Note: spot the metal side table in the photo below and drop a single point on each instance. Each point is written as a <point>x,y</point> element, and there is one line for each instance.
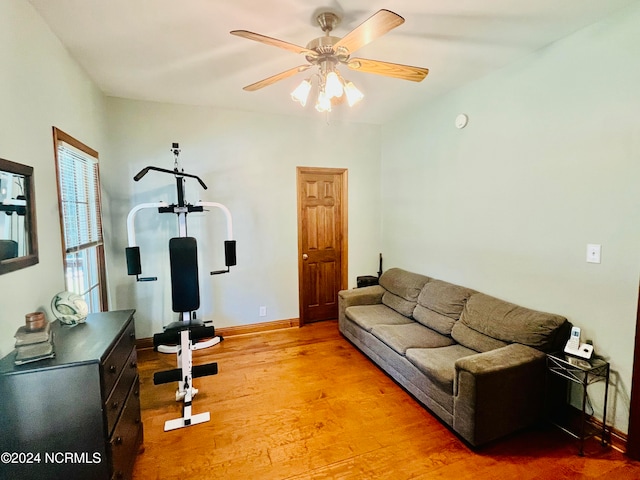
<point>584,373</point>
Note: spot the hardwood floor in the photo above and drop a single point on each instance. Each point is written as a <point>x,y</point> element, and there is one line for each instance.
<point>303,403</point>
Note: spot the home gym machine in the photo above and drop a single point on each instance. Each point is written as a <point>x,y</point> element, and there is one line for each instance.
<point>188,334</point>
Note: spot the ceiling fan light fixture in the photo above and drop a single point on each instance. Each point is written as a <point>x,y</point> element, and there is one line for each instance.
<point>301,92</point>
<point>353,94</point>
<point>328,52</point>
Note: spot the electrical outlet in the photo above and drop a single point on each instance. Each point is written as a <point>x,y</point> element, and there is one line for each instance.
<point>263,311</point>
<point>593,253</point>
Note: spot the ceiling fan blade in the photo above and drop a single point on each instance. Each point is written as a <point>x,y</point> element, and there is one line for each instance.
<point>396,70</point>
<point>375,26</point>
<point>273,42</point>
<point>275,78</point>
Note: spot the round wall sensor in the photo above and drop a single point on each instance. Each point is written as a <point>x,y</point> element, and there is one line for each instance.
<point>461,120</point>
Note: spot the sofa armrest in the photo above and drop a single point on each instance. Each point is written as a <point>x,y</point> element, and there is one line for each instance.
<point>371,295</point>
<point>361,296</point>
<point>498,392</point>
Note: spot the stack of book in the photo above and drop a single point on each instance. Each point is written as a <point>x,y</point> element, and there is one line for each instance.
<point>32,346</point>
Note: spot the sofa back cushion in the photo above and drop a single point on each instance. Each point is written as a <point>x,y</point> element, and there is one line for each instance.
<point>468,337</point>
<point>440,305</point>
<point>506,322</point>
<point>401,289</point>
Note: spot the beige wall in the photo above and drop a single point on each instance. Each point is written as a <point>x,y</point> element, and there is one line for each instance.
<point>40,86</point>
<point>549,162</point>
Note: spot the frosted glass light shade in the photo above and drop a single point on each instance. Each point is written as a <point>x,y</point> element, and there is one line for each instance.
<point>301,93</point>
<point>353,94</point>
<point>324,102</point>
<point>333,85</point>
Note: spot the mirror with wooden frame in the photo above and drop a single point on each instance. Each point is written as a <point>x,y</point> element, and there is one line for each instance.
<point>18,235</point>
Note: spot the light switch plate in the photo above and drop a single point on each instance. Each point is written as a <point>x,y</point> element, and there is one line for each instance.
<point>593,253</point>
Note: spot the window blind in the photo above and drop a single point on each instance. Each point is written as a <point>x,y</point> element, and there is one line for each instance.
<point>80,197</point>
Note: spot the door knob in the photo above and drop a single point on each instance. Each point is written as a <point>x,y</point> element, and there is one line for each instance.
<point>305,256</point>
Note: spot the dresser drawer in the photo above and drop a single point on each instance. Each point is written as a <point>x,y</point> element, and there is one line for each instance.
<point>115,361</point>
<point>114,404</point>
<point>127,435</point>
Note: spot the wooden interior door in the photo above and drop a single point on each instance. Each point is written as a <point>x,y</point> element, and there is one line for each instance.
<point>322,241</point>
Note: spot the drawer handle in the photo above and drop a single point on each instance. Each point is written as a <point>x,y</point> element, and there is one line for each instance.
<point>133,364</point>
<point>113,368</point>
<point>117,441</point>
<point>115,405</point>
<point>119,474</point>
<point>137,419</point>
<point>136,393</point>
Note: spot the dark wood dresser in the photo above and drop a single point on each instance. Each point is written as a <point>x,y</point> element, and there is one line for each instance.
<point>75,416</point>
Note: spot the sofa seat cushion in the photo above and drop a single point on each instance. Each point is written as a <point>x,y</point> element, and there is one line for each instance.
<point>368,316</point>
<point>410,335</point>
<point>511,323</point>
<point>401,289</point>
<point>440,305</point>
<point>439,363</point>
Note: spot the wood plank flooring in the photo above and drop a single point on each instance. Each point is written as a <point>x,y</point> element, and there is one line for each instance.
<point>303,403</point>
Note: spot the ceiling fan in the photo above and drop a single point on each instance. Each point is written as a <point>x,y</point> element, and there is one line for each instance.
<point>328,52</point>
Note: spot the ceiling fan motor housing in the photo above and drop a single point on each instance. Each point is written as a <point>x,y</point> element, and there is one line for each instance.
<point>328,20</point>
<point>324,47</point>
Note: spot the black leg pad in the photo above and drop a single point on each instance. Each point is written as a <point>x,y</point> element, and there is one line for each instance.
<point>167,338</point>
<point>198,333</point>
<point>185,289</point>
<point>175,375</point>
<point>167,376</point>
<point>204,370</point>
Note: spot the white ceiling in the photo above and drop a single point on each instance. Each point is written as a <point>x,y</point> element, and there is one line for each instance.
<point>181,51</point>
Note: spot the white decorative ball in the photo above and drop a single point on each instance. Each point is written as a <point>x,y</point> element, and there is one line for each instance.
<point>70,308</point>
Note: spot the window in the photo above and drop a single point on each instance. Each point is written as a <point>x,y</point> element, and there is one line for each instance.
<point>80,220</point>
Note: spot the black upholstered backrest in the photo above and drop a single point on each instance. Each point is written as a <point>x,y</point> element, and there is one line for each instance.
<point>185,289</point>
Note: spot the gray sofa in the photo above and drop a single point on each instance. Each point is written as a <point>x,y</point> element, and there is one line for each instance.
<point>475,361</point>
